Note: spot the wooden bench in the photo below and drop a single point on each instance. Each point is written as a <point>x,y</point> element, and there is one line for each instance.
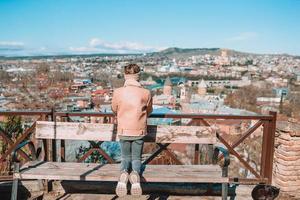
<point>163,135</point>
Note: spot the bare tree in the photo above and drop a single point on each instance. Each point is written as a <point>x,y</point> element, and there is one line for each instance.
<point>43,68</point>
<point>245,97</point>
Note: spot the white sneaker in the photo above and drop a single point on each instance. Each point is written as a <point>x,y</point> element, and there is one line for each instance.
<point>136,189</point>
<point>121,189</point>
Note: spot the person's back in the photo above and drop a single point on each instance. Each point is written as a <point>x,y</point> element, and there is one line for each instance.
<point>132,104</point>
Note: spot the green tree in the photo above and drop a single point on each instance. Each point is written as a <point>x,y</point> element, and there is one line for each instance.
<point>12,127</point>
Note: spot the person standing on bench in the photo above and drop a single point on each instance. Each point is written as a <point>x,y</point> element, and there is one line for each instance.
<point>132,104</point>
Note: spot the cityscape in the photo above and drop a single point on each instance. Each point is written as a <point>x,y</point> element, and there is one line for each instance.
<point>180,80</point>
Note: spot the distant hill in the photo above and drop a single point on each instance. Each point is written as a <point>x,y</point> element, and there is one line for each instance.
<point>175,52</point>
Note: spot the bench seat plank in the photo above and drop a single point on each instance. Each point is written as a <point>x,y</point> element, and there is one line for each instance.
<point>107,132</point>
<point>110,172</point>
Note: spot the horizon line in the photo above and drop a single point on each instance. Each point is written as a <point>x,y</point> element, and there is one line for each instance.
<point>58,54</point>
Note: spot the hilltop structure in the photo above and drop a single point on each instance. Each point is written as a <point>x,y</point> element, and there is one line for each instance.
<point>202,88</point>
<point>167,90</point>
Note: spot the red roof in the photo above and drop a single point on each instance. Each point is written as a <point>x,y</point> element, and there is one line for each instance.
<point>100,92</point>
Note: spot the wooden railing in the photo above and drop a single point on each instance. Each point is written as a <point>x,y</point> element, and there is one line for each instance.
<point>267,122</point>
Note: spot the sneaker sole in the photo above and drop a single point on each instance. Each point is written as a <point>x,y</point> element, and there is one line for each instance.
<point>136,189</point>
<point>121,189</point>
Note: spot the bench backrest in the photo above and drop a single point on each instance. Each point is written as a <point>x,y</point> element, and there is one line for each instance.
<point>107,132</point>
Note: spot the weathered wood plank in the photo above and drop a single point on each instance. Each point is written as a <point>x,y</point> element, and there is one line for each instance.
<point>110,172</point>
<point>106,132</point>
<point>115,173</point>
<point>89,166</point>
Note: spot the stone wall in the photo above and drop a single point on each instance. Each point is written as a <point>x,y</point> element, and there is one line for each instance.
<point>286,168</point>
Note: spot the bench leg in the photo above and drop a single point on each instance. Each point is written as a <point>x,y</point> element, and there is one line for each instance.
<point>14,190</point>
<point>41,185</point>
<point>46,185</point>
<point>224,191</point>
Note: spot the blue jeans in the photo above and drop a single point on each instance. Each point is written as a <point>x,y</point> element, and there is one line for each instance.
<point>131,153</point>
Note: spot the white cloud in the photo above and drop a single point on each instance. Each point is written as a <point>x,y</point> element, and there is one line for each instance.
<point>43,48</point>
<point>243,37</point>
<point>83,49</point>
<point>11,46</point>
<point>99,45</point>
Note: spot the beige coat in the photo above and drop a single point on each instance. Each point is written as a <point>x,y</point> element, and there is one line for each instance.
<point>132,104</point>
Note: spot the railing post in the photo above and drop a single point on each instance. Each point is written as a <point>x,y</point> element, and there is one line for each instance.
<point>62,142</point>
<point>197,146</point>
<point>196,155</point>
<point>265,140</point>
<point>267,154</point>
<point>272,146</point>
<point>52,143</point>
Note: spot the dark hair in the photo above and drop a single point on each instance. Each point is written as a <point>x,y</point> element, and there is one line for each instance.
<point>132,69</point>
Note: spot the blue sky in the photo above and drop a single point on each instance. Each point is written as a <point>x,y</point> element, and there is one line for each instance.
<point>33,27</point>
